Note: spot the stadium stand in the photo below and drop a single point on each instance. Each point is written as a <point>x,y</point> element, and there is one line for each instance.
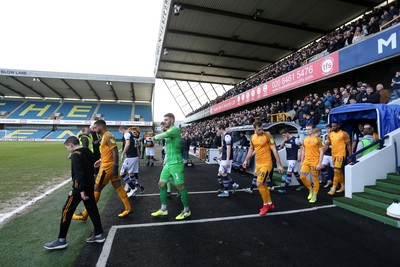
<point>144,111</point>
<point>24,133</point>
<point>76,111</point>
<point>342,37</point>
<point>115,112</point>
<point>62,134</point>
<point>6,107</point>
<point>34,110</point>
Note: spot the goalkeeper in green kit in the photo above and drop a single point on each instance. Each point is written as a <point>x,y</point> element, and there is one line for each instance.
<point>173,169</point>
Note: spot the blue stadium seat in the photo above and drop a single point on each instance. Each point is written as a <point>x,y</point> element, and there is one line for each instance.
<point>241,156</point>
<point>24,133</point>
<point>62,134</point>
<point>77,111</point>
<point>144,111</point>
<point>115,112</point>
<point>9,106</point>
<point>34,110</point>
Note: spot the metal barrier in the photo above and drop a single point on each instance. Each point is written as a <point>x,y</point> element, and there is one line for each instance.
<point>381,27</point>
<point>352,157</point>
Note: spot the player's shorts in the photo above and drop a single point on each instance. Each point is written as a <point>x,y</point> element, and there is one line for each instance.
<point>310,167</point>
<point>222,167</point>
<point>105,174</point>
<point>130,165</point>
<point>292,166</point>
<point>262,172</point>
<point>338,162</point>
<point>327,161</point>
<point>150,151</point>
<point>173,172</point>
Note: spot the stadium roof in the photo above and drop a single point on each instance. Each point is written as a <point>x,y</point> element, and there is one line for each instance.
<point>227,41</point>
<point>75,86</point>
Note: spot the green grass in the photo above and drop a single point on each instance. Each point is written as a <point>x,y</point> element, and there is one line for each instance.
<point>22,239</point>
<point>24,167</point>
<point>27,165</point>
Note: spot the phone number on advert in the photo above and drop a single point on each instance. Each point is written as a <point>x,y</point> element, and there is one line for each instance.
<point>288,78</point>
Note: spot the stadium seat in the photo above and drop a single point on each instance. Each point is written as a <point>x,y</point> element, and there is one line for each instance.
<point>144,111</point>
<point>115,112</point>
<point>34,110</point>
<point>76,111</point>
<point>241,156</point>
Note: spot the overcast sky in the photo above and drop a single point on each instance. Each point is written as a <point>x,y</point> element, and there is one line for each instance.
<point>91,36</point>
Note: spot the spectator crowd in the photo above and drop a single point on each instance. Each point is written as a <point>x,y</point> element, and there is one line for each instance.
<point>346,35</point>
<point>313,108</point>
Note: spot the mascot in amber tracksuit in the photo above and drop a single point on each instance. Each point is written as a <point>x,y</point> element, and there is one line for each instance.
<point>149,146</point>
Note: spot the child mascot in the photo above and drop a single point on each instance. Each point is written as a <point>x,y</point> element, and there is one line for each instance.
<point>149,147</point>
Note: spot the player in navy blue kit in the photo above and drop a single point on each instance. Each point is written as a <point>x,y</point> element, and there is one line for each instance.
<point>292,145</point>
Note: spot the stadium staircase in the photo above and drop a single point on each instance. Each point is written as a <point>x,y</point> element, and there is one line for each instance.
<point>375,199</point>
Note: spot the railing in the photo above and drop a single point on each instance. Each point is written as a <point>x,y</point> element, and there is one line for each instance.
<point>381,27</point>
<point>352,158</point>
<point>315,57</point>
<point>278,117</point>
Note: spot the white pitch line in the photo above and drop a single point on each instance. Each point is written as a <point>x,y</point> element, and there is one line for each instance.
<point>190,193</point>
<point>105,253</point>
<point>7,215</point>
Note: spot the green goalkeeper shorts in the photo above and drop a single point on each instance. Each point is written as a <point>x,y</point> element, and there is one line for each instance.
<point>173,172</point>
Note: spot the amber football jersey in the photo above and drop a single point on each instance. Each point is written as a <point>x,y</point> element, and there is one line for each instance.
<point>107,144</point>
<point>338,142</point>
<point>311,146</point>
<point>262,146</point>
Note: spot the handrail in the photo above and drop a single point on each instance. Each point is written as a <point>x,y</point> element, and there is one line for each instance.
<point>278,117</point>
<point>353,156</point>
<point>396,158</point>
<point>389,22</point>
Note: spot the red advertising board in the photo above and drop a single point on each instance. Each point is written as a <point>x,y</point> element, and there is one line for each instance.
<point>311,72</point>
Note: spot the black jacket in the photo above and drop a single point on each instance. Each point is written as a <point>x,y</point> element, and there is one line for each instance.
<point>82,170</point>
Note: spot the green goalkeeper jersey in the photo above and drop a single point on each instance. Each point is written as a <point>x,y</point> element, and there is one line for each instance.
<point>173,144</point>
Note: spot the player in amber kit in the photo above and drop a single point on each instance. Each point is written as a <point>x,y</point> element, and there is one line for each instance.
<point>108,164</point>
<point>263,143</point>
<point>339,140</point>
<point>311,158</point>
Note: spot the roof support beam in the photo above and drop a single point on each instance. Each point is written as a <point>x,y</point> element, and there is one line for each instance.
<point>219,54</point>
<point>207,66</point>
<point>216,90</point>
<point>27,86</point>
<point>113,90</point>
<point>364,3</point>
<point>201,86</point>
<point>133,92</point>
<point>51,88</point>
<point>94,91</point>
<point>197,81</point>
<point>204,74</point>
<point>233,40</point>
<point>12,90</point>
<point>251,18</point>
<point>194,92</point>
<point>187,101</point>
<point>174,97</point>
<point>71,88</point>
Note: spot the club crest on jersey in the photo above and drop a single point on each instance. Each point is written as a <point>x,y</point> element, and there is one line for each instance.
<point>272,141</point>
<point>112,140</point>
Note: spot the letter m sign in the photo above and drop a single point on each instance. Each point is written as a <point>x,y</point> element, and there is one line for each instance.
<point>392,40</point>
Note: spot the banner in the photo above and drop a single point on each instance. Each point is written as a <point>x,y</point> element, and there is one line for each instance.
<point>377,47</point>
<point>311,72</point>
